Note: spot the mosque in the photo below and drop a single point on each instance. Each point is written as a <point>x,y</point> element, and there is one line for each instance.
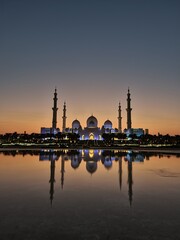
<point>92,131</point>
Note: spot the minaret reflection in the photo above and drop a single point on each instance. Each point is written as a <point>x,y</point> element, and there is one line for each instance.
<point>130,181</point>
<point>50,155</point>
<point>120,172</point>
<point>62,171</point>
<point>52,179</point>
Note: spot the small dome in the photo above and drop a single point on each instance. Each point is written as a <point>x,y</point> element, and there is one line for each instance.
<point>75,163</point>
<point>108,163</point>
<point>91,167</point>
<point>108,124</point>
<point>75,124</point>
<point>92,122</point>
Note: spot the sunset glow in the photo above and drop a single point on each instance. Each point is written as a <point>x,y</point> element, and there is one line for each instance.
<point>92,52</point>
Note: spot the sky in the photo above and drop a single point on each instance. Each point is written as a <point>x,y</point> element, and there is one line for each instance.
<point>91,51</point>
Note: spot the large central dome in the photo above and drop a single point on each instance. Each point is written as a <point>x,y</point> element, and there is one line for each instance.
<point>92,122</point>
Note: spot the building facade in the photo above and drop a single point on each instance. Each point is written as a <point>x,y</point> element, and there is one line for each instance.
<point>92,131</point>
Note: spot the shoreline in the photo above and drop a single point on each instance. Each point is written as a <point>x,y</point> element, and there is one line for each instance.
<point>165,150</point>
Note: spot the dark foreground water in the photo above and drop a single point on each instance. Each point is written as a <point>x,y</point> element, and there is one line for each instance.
<point>89,195</point>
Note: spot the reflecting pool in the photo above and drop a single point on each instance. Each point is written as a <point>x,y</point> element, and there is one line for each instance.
<point>89,194</point>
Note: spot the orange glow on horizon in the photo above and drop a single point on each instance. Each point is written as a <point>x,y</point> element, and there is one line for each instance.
<point>34,125</point>
<point>33,114</point>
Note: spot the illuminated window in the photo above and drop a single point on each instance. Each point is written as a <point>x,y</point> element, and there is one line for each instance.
<point>91,153</point>
<point>82,153</point>
<point>91,136</point>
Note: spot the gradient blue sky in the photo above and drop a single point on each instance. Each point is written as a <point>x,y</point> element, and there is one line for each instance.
<point>92,51</point>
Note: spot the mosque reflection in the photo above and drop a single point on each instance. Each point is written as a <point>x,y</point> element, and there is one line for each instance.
<point>92,158</point>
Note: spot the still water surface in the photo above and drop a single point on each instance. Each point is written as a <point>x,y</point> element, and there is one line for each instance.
<point>89,195</point>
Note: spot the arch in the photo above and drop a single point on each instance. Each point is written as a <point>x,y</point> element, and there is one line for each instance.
<point>91,153</point>
<point>91,136</point>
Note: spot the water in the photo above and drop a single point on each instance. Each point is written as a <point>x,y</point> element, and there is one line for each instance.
<point>89,195</point>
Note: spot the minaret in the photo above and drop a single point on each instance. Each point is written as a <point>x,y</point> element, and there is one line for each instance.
<point>64,118</point>
<point>129,109</point>
<point>119,119</point>
<point>54,120</point>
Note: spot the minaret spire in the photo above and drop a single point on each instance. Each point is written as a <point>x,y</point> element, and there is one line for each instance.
<point>129,109</point>
<point>54,120</point>
<point>64,118</point>
<point>119,119</point>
